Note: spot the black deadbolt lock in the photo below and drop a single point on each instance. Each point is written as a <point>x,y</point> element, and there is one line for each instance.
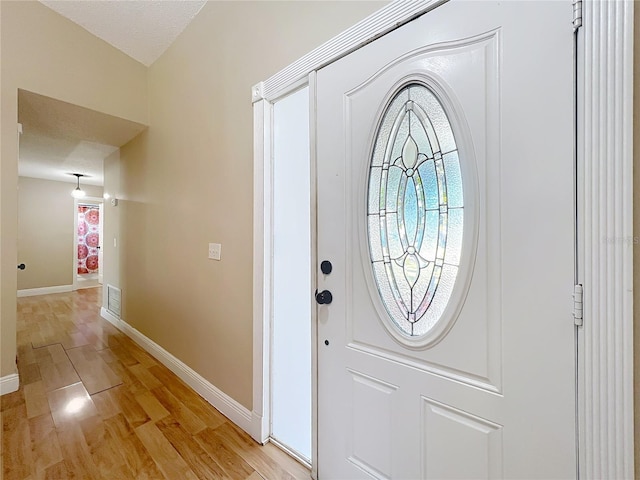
<point>324,297</point>
<point>326,267</point>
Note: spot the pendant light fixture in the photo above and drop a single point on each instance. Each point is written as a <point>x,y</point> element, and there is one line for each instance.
<point>78,192</point>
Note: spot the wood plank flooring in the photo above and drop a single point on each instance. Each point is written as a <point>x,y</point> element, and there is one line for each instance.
<point>94,405</point>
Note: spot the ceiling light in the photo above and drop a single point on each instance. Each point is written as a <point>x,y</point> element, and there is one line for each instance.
<point>78,192</point>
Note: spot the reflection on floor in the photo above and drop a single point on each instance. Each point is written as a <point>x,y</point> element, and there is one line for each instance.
<point>93,405</point>
<point>87,280</point>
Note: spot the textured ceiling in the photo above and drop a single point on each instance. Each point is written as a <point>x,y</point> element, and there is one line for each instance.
<point>143,29</point>
<point>60,138</point>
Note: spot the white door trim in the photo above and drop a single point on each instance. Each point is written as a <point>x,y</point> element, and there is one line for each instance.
<point>392,16</point>
<point>605,233</point>
<point>262,268</point>
<point>605,239</point>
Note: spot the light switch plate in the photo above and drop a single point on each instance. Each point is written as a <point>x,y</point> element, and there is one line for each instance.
<point>215,251</point>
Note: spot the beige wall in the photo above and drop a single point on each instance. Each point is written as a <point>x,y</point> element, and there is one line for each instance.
<point>188,181</point>
<point>111,223</point>
<point>44,53</point>
<point>45,232</point>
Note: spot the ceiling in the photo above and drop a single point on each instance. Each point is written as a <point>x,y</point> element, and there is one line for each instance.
<point>143,29</point>
<point>60,138</point>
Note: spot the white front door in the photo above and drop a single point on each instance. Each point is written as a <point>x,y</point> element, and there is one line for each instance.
<point>446,206</point>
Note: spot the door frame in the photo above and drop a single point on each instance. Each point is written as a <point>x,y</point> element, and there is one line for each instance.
<point>263,257</point>
<point>604,188</point>
<point>605,238</point>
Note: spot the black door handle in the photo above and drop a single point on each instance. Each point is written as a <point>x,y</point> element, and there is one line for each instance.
<point>324,297</point>
<point>22,266</point>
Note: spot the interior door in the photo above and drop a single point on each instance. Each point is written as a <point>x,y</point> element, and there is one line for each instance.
<point>445,204</point>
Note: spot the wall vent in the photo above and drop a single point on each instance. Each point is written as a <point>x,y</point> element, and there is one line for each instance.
<point>113,300</point>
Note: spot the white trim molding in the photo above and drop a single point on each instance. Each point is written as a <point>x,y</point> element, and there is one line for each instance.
<point>9,384</point>
<point>605,239</point>
<point>233,410</point>
<point>111,318</point>
<point>388,18</point>
<point>262,237</point>
<point>31,292</point>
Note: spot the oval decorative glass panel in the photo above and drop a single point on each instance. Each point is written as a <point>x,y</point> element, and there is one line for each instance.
<point>415,210</point>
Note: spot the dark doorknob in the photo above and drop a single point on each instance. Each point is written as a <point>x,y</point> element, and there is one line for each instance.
<point>22,266</point>
<point>324,297</point>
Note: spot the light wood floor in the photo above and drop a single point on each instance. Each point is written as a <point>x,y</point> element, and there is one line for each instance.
<point>93,405</point>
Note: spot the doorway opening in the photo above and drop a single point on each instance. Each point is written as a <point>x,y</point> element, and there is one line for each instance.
<point>88,233</point>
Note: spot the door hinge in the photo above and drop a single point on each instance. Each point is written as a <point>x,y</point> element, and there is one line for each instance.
<point>577,14</point>
<point>577,305</point>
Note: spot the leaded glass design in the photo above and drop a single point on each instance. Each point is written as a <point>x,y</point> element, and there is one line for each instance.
<point>415,210</point>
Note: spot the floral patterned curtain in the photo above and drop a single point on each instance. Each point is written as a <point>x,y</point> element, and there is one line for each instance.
<point>88,239</point>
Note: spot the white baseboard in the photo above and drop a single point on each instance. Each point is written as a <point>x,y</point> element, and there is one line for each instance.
<point>233,410</point>
<point>30,292</point>
<point>9,383</point>
<point>260,428</point>
<point>111,318</point>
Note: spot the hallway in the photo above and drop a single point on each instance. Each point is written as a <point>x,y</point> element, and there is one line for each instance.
<point>92,404</point>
